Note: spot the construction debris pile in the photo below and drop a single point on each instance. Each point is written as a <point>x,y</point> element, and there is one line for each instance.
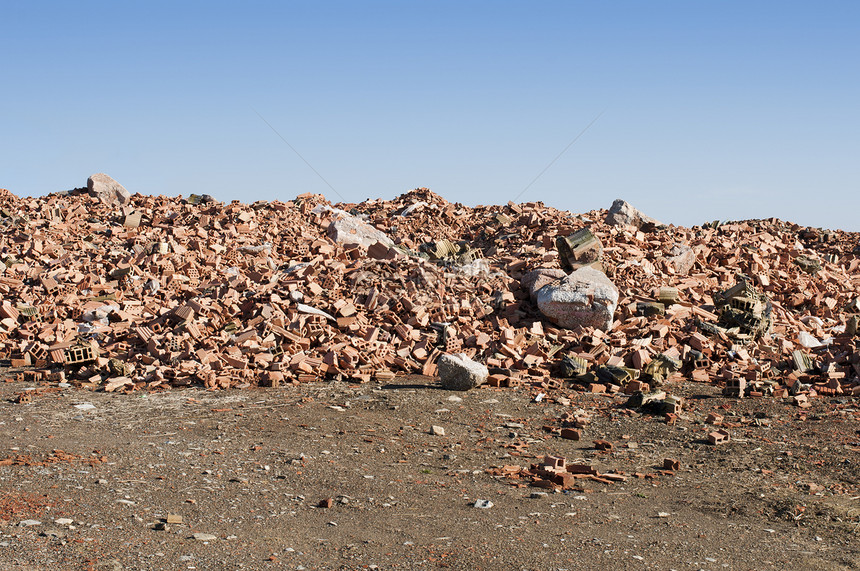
<point>125,293</point>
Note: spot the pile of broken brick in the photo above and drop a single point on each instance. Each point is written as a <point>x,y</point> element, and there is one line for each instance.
<point>554,473</point>
<point>106,290</point>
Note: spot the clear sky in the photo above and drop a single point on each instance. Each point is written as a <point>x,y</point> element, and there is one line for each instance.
<point>711,110</point>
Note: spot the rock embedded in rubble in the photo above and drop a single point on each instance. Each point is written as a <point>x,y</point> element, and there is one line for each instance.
<point>536,279</point>
<point>107,190</point>
<point>622,213</point>
<point>682,258</point>
<point>348,229</point>
<point>585,298</point>
<point>460,373</point>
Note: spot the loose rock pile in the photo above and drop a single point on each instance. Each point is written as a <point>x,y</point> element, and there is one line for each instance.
<point>141,292</point>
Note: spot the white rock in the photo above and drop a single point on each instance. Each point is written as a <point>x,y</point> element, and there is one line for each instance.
<point>622,213</point>
<point>585,298</point>
<point>204,537</point>
<point>348,229</point>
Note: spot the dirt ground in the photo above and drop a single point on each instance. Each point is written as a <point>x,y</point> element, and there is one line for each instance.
<point>125,481</point>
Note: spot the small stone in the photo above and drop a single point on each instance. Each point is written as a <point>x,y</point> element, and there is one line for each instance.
<point>814,488</point>
<point>64,521</point>
<point>326,503</point>
<point>483,504</point>
<point>109,565</point>
<point>437,430</point>
<point>204,537</point>
<point>173,518</point>
<point>29,523</point>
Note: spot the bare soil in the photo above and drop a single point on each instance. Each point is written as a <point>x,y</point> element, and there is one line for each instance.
<point>254,470</point>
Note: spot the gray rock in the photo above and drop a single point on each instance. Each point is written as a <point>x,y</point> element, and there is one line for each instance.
<point>585,298</point>
<point>107,190</point>
<point>460,373</point>
<point>622,213</point>
<point>536,279</point>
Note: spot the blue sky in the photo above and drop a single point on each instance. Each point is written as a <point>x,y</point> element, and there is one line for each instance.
<point>711,110</point>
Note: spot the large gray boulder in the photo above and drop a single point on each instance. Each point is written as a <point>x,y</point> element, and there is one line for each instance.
<point>622,213</point>
<point>107,190</point>
<point>585,298</point>
<point>460,373</point>
<point>533,281</point>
